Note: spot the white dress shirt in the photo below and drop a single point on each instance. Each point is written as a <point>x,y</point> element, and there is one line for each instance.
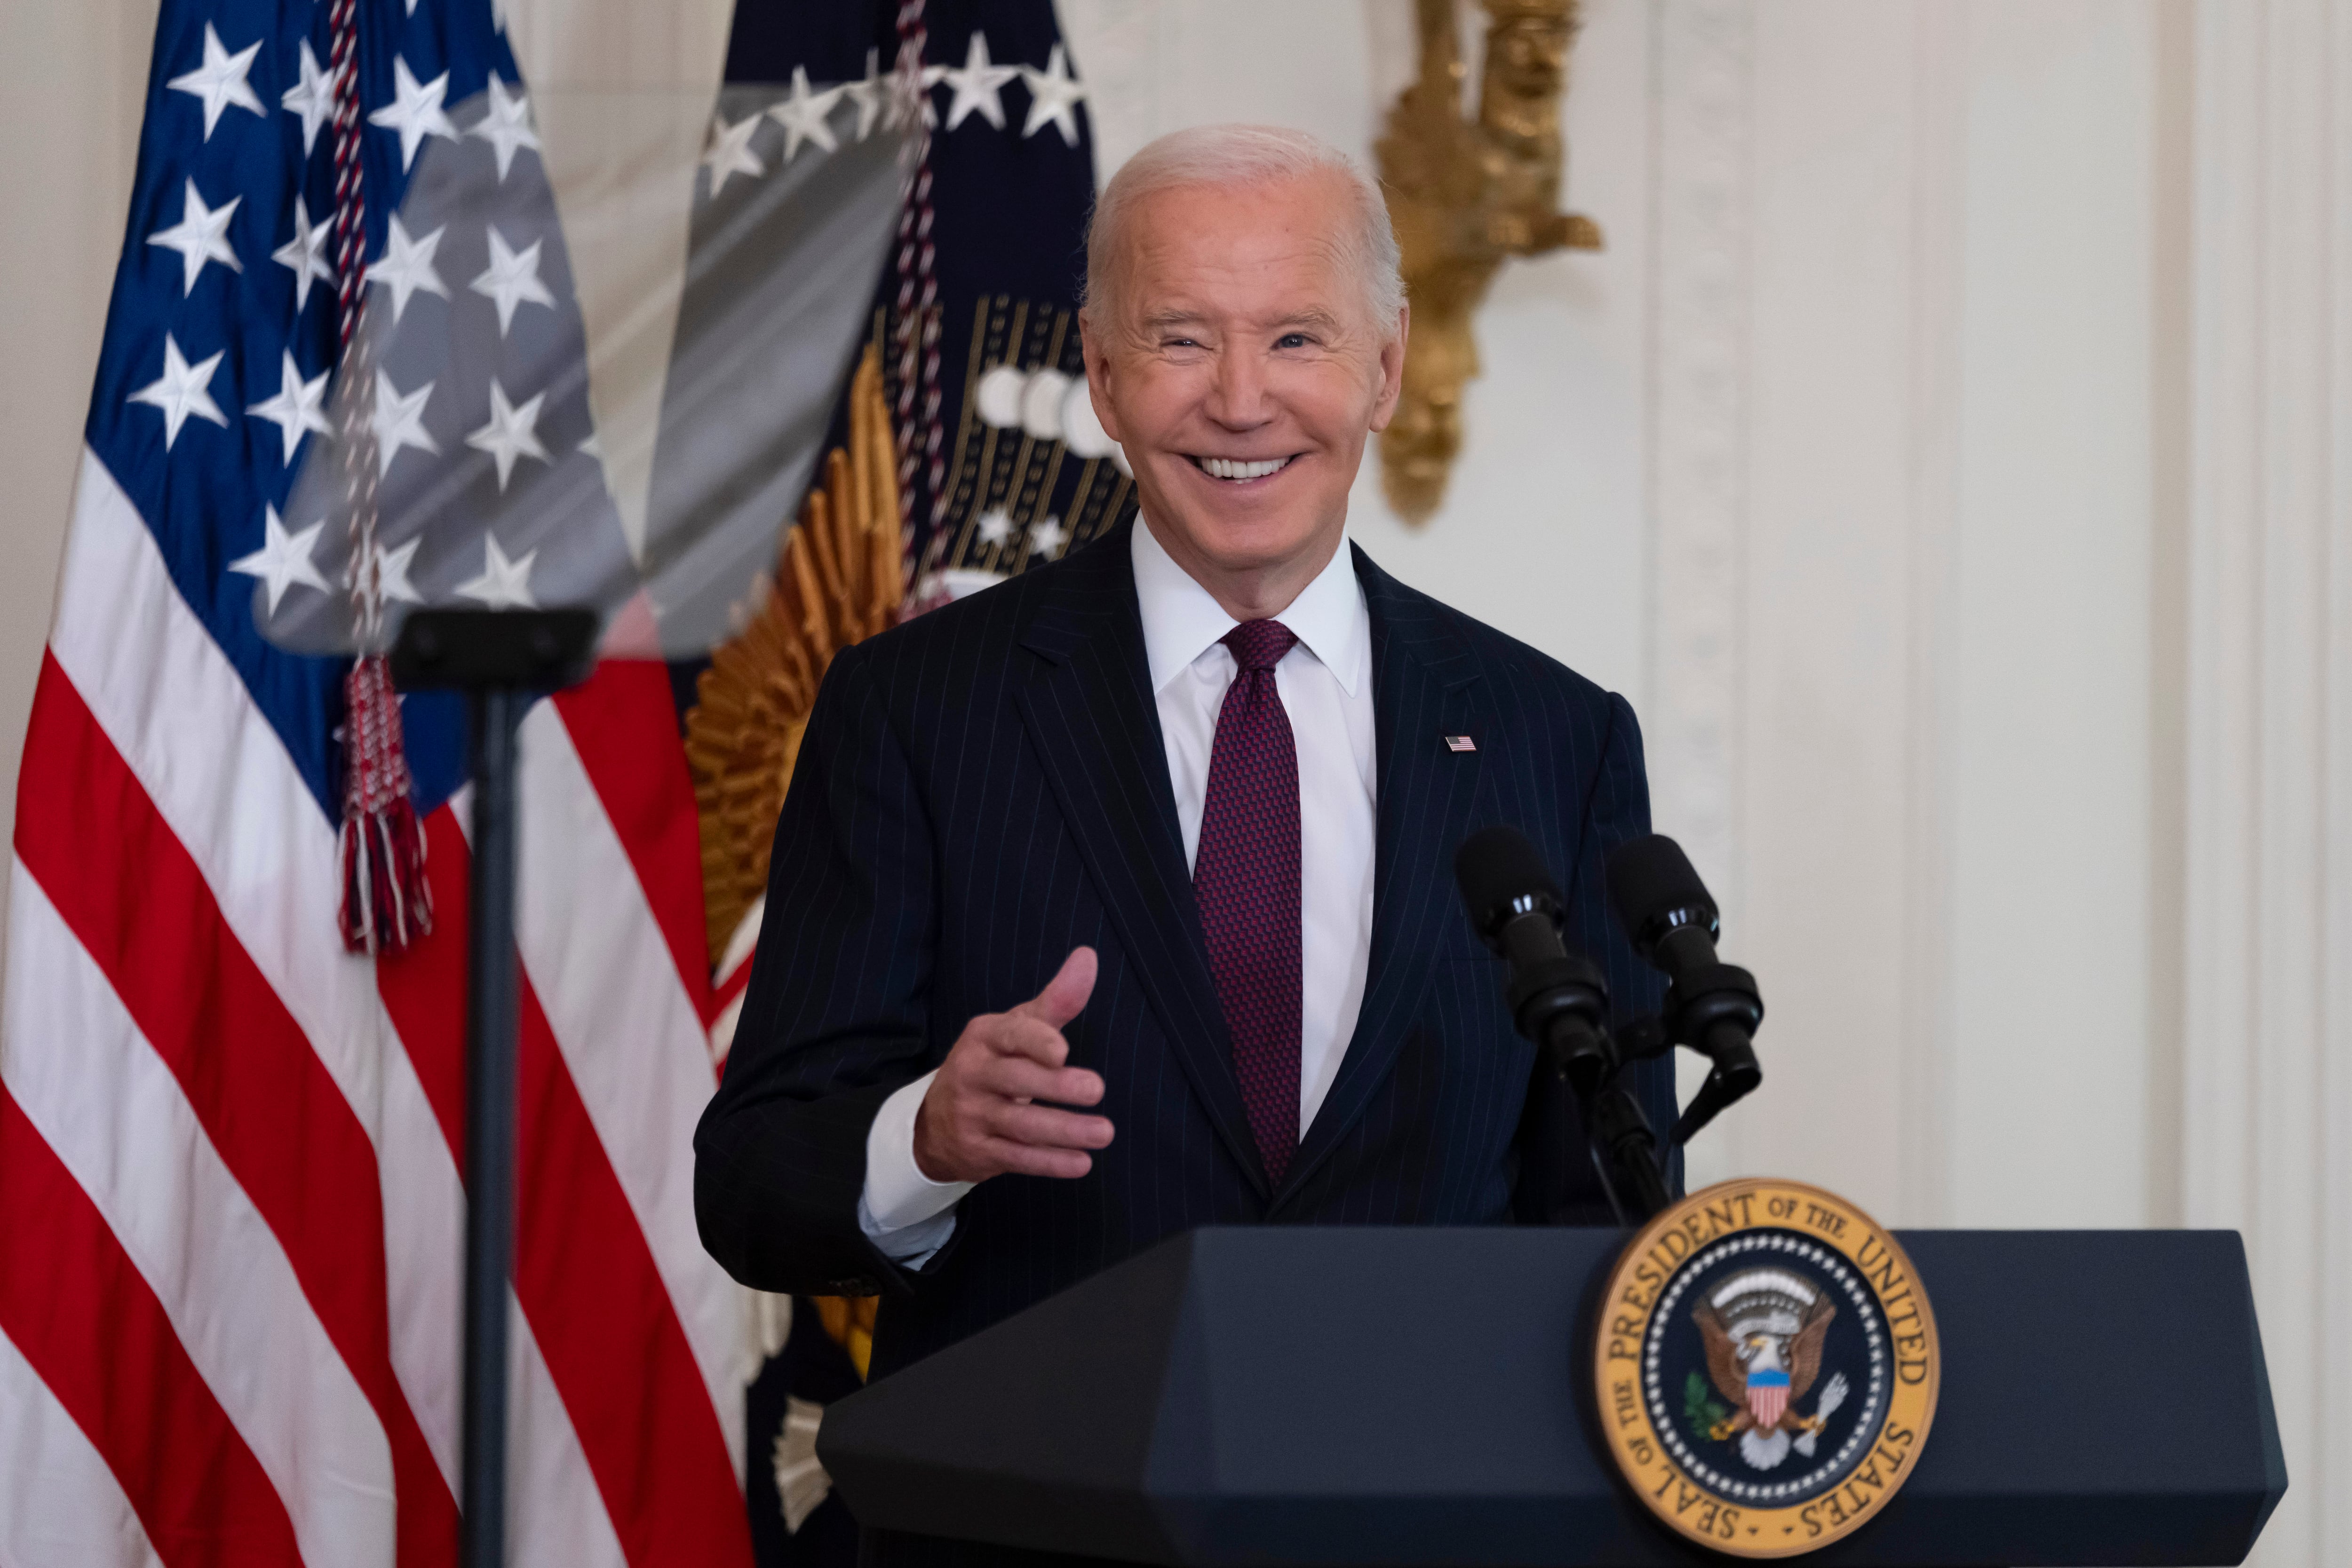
<point>1326,682</point>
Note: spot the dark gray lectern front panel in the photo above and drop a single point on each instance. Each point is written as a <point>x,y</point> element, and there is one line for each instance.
<point>1288,1396</point>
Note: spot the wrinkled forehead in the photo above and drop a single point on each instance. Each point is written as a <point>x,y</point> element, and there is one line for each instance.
<point>1259,255</point>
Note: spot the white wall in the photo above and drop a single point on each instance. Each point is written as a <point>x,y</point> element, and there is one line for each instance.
<point>1950,455</point>
<point>2046,736</point>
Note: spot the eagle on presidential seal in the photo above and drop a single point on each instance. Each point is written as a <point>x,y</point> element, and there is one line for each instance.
<point>1764,1329</point>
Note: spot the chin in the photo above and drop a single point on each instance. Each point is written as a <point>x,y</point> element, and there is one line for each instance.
<point>1250,552</point>
<point>1254,542</point>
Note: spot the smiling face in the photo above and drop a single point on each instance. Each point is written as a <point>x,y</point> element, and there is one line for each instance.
<point>1237,364</point>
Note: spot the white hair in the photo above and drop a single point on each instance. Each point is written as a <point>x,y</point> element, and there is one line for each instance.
<point>1230,156</point>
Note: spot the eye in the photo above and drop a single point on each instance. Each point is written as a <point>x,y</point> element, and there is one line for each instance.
<point>1292,341</point>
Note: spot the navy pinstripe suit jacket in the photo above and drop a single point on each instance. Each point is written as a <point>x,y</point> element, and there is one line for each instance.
<point>981,791</point>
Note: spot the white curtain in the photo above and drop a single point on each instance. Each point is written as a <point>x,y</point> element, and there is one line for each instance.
<point>2267,1130</point>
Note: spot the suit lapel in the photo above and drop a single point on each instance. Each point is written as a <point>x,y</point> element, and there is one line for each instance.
<point>1091,713</point>
<point>1423,689</point>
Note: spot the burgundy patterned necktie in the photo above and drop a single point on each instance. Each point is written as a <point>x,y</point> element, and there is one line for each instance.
<point>1245,878</point>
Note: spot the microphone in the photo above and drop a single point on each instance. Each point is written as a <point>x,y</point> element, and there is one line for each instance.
<point>1712,1007</point>
<point>1558,1000</point>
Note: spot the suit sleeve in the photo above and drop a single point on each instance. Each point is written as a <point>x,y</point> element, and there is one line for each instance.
<point>1616,809</point>
<point>836,1015</point>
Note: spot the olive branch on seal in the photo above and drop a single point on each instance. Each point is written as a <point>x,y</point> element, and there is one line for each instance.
<point>1700,1411</point>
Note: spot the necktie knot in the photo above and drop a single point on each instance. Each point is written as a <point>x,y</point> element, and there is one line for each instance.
<point>1260,644</point>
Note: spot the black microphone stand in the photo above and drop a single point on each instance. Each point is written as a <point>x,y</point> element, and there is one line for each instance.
<point>1559,1003</point>
<point>1617,1136</point>
<point>503,660</point>
<point>1560,1000</point>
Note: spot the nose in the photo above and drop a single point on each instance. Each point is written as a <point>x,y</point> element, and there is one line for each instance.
<point>1238,399</point>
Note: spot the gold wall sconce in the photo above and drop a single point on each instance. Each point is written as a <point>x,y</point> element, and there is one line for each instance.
<point>1464,194</point>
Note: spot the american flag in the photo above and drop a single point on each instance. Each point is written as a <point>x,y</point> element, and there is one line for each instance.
<point>230,1197</point>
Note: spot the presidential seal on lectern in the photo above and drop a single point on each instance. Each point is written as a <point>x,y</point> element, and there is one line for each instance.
<point>1766,1366</point>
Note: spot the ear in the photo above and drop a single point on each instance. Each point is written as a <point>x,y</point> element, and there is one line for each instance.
<point>1391,368</point>
<point>1100,391</point>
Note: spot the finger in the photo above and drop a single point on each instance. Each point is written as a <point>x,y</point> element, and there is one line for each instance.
<point>1066,994</point>
<point>1041,1127</point>
<point>1016,1035</point>
<point>1018,1078</point>
<point>1021,1159</point>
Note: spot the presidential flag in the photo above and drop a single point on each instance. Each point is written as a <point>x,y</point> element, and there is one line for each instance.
<point>974,312</point>
<point>231,1196</point>
<point>964,337</point>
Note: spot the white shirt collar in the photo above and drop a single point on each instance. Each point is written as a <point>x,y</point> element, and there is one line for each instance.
<point>1181,620</point>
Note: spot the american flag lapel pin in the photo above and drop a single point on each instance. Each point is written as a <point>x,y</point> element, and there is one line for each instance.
<point>1460,743</point>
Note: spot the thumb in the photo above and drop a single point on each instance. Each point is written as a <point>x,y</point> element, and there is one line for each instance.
<point>1066,994</point>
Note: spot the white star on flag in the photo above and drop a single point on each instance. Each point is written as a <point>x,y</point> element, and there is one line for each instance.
<point>868,95</point>
<point>1047,537</point>
<point>201,236</point>
<point>730,150</point>
<point>995,526</point>
<point>506,125</point>
<point>512,432</point>
<point>283,559</point>
<point>407,265</point>
<point>399,421</point>
<point>312,96</point>
<point>804,115</point>
<point>182,392</point>
<point>220,80</point>
<point>512,278</point>
<point>306,254</point>
<point>504,584</point>
<point>1052,96</point>
<point>416,111</point>
<point>977,83</point>
<point>392,584</point>
<point>295,409</point>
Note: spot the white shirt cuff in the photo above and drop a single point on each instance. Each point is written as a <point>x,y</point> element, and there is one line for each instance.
<point>904,1212</point>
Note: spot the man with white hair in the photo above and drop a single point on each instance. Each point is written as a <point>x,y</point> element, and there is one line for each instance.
<point>1116,899</point>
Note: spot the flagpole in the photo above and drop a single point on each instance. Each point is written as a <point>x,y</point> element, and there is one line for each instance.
<point>490,1048</point>
<point>502,660</point>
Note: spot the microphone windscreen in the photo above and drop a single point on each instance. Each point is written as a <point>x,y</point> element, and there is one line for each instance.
<point>1650,877</point>
<point>1496,865</point>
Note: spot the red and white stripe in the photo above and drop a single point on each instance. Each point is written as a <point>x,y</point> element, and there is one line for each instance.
<point>230,1196</point>
<point>734,977</point>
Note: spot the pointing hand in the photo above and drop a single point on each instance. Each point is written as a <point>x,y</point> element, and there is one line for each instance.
<point>991,1109</point>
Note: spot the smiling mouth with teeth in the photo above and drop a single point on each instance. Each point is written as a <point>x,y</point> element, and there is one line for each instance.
<point>1234,468</point>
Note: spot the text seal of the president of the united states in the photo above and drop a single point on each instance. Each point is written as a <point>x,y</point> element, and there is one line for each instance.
<point>1766,1366</point>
